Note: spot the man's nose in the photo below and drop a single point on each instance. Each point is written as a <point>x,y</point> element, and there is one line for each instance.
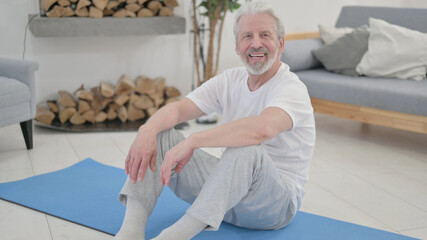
<point>256,42</point>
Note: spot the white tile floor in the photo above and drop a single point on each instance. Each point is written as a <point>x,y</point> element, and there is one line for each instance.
<point>368,175</point>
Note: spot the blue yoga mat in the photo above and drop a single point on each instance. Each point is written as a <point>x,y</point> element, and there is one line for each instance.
<point>87,194</point>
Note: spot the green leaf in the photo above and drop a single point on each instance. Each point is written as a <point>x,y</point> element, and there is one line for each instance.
<point>234,6</point>
<point>211,5</point>
<point>203,4</point>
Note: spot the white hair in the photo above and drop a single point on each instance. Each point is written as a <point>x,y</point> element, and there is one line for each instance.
<point>256,7</point>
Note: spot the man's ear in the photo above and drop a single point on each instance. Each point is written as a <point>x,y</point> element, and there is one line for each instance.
<point>237,50</point>
<point>282,44</point>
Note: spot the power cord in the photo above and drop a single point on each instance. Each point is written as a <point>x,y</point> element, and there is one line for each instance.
<point>25,34</point>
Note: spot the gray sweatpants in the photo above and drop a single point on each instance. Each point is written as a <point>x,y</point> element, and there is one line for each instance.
<point>243,187</point>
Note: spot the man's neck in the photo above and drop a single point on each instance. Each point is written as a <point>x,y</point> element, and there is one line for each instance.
<point>256,81</point>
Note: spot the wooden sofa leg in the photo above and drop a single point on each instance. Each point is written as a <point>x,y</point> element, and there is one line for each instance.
<point>27,131</point>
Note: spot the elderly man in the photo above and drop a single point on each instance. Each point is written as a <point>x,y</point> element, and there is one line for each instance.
<point>268,134</point>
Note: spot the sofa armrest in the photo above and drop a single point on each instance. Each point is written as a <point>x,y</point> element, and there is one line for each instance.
<point>22,71</point>
<point>298,56</point>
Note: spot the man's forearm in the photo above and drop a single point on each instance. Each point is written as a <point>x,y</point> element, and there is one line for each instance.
<point>170,115</point>
<point>246,131</point>
<point>242,132</point>
<point>165,118</point>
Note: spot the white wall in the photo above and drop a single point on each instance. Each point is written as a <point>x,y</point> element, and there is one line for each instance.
<point>65,63</point>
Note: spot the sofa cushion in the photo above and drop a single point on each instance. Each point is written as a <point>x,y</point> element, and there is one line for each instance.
<point>329,34</point>
<point>384,93</point>
<point>394,51</point>
<point>298,56</point>
<point>15,113</point>
<point>12,92</point>
<point>344,54</point>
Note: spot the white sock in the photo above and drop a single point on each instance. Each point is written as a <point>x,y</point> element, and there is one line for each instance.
<point>184,229</point>
<point>135,221</point>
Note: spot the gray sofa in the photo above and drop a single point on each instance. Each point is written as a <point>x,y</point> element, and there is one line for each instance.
<point>389,102</point>
<point>17,95</point>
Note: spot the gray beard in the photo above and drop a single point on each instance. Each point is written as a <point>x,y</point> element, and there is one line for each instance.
<point>259,68</point>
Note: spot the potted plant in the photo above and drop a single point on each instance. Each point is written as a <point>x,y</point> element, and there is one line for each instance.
<point>208,17</point>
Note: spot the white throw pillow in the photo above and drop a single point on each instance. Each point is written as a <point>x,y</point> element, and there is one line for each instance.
<point>394,51</point>
<point>330,34</point>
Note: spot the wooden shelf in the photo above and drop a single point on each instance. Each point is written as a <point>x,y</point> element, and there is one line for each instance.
<point>107,26</point>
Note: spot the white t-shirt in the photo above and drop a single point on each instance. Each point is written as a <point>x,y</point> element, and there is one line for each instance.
<point>228,94</point>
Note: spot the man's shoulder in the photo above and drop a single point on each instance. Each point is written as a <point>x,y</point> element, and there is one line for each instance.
<point>287,82</point>
<point>285,76</point>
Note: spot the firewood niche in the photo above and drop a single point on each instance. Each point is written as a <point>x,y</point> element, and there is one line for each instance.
<point>125,105</point>
<point>101,8</point>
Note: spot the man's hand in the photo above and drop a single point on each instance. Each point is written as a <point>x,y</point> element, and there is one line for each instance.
<point>142,153</point>
<point>179,156</point>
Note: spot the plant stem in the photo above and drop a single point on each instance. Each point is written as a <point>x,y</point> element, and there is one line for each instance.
<point>219,43</point>
<point>196,33</point>
<point>213,21</point>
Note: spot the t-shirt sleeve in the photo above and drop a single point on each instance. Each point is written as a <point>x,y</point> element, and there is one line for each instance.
<point>206,97</point>
<point>294,100</point>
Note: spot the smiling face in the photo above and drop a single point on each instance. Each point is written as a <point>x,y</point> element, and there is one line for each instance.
<point>257,42</point>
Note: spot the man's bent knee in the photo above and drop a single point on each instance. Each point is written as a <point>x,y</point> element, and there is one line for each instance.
<point>247,153</point>
<point>168,139</point>
<point>166,134</point>
<point>246,150</point>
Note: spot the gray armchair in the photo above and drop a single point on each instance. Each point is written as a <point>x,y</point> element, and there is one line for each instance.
<point>17,95</point>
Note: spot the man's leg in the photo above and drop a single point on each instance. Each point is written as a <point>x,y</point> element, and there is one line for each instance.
<point>135,221</point>
<point>245,189</point>
<point>140,198</point>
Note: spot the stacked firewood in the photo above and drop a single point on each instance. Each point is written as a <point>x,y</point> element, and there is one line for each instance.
<point>101,8</point>
<point>128,101</point>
